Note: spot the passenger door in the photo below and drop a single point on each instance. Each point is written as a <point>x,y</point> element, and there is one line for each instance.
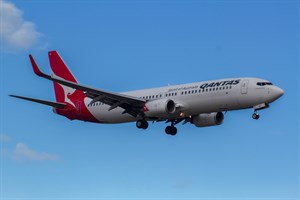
<point>244,86</point>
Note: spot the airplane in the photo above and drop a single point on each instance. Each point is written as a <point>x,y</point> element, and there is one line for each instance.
<point>202,103</point>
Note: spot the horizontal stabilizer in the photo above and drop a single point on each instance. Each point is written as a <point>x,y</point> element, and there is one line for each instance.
<point>48,103</point>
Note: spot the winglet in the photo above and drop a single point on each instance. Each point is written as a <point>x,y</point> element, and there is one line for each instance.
<point>35,67</point>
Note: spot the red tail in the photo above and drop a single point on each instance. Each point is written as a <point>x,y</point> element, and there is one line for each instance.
<point>74,99</point>
<point>60,69</point>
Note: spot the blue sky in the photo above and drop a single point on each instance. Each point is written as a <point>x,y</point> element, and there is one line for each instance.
<point>127,45</point>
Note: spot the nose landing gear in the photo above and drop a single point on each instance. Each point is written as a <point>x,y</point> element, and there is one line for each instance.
<point>261,106</point>
<point>255,115</point>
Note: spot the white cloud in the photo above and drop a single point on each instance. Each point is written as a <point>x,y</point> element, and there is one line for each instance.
<point>15,32</point>
<point>22,152</point>
<point>4,138</point>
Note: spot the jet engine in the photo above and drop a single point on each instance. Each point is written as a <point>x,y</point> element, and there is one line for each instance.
<point>160,107</point>
<point>210,119</point>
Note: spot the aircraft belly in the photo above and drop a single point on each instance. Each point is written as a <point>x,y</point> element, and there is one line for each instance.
<point>103,115</point>
<point>113,116</point>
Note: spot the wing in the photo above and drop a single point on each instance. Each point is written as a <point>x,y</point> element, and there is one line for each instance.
<point>131,105</point>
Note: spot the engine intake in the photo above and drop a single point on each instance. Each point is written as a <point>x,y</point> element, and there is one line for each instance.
<point>160,107</point>
<point>210,119</point>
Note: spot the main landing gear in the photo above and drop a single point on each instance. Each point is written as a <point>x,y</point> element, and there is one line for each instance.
<point>141,123</point>
<point>171,130</point>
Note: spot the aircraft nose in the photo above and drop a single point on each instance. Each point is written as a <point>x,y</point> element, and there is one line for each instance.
<point>277,92</point>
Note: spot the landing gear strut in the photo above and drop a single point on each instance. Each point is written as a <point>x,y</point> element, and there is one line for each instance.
<point>141,123</point>
<point>261,106</point>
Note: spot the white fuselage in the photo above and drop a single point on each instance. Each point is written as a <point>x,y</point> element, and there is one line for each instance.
<point>196,98</point>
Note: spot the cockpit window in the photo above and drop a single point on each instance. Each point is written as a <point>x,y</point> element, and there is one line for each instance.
<point>263,83</point>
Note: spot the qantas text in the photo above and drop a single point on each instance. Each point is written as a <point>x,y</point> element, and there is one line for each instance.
<point>220,83</point>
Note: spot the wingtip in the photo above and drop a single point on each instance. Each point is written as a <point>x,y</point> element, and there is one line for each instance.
<point>35,67</point>
<point>14,96</point>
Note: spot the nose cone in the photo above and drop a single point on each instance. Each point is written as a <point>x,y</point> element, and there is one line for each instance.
<point>277,92</point>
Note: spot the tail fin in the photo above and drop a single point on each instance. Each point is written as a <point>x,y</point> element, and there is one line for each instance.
<point>60,69</point>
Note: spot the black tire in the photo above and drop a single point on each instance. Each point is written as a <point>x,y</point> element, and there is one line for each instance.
<point>145,124</point>
<point>171,130</point>
<point>142,124</point>
<point>139,123</point>
<point>168,130</point>
<point>255,116</point>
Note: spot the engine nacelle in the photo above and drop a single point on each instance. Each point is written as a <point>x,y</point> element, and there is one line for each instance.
<point>211,119</point>
<point>160,107</point>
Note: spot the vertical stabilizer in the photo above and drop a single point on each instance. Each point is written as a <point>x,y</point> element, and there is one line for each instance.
<point>61,70</point>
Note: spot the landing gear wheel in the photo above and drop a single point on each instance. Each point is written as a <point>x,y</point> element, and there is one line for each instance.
<point>171,130</point>
<point>255,116</point>
<point>143,124</point>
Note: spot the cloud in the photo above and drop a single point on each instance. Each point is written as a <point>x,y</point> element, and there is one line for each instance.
<point>22,152</point>
<point>15,32</point>
<point>4,138</point>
